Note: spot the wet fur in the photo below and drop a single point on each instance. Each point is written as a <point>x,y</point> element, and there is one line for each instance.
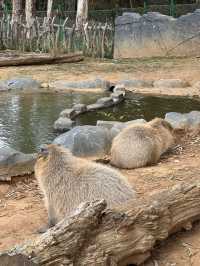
<point>66,181</point>
<point>142,144</point>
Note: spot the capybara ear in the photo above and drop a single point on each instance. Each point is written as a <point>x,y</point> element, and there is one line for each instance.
<point>43,150</point>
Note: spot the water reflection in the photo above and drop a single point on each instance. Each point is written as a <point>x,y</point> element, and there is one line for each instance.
<point>26,119</point>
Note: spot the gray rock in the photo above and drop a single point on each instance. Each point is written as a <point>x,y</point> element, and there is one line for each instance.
<point>95,106</point>
<point>80,108</point>
<point>3,85</point>
<point>107,124</point>
<point>69,113</point>
<point>14,163</point>
<point>86,141</point>
<point>154,35</point>
<point>119,87</point>
<point>20,84</point>
<point>118,96</point>
<point>86,84</point>
<point>105,101</point>
<point>119,126</point>
<point>170,83</point>
<point>177,120</point>
<point>194,118</point>
<point>63,124</point>
<point>137,83</point>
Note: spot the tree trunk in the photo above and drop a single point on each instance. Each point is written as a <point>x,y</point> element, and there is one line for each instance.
<point>1,5</point>
<point>93,236</point>
<point>30,12</point>
<point>40,59</point>
<point>49,8</point>
<point>82,14</point>
<point>16,10</point>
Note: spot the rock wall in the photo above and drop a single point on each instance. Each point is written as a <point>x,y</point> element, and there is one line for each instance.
<point>154,34</point>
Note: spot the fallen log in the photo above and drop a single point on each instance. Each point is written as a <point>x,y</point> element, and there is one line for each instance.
<point>39,59</point>
<point>95,236</point>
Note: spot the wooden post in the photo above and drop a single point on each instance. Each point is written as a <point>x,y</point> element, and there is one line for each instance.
<point>30,12</point>
<point>49,8</point>
<point>16,10</point>
<point>82,14</point>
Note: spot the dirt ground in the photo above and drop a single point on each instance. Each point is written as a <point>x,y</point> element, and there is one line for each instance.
<point>113,70</point>
<point>22,210</point>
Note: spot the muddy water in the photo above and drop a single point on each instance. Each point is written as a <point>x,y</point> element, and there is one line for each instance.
<point>26,119</point>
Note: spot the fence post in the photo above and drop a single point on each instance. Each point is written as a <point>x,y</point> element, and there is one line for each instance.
<point>173,8</point>
<point>145,6</point>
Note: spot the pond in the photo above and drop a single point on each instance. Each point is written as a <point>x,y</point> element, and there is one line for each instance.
<point>27,119</point>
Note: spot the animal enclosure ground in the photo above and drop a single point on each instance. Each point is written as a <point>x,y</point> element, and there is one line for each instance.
<point>22,211</point>
<point>156,68</point>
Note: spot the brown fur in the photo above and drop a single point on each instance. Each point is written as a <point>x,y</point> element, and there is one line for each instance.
<point>66,181</point>
<point>141,144</point>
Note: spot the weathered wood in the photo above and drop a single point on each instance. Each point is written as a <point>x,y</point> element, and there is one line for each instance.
<point>16,10</point>
<point>49,8</point>
<point>82,14</point>
<point>39,59</point>
<point>93,236</point>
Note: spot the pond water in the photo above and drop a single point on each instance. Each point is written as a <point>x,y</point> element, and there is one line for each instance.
<point>26,119</point>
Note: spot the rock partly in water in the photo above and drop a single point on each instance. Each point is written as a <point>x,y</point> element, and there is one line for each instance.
<point>118,96</point>
<point>136,83</point>
<point>22,84</point>
<point>85,84</point>
<point>63,124</point>
<point>69,113</point>
<point>3,86</point>
<point>177,120</point>
<point>119,87</point>
<point>86,141</point>
<point>95,106</point>
<point>15,163</point>
<point>80,108</point>
<point>171,83</point>
<point>105,101</point>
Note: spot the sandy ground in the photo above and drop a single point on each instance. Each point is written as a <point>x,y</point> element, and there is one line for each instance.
<point>156,68</point>
<point>22,210</point>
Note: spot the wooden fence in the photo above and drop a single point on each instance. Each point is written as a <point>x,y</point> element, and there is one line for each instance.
<point>57,36</point>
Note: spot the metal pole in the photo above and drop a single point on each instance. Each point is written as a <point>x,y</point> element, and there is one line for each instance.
<point>145,6</point>
<point>173,8</point>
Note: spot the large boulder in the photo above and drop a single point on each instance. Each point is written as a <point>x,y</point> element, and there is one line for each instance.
<point>20,84</point>
<point>14,163</point>
<point>86,141</point>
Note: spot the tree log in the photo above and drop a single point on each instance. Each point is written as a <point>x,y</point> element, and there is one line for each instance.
<point>126,235</point>
<point>39,59</point>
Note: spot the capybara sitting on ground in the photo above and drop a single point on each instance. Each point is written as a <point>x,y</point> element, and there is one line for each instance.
<point>141,144</point>
<point>66,181</point>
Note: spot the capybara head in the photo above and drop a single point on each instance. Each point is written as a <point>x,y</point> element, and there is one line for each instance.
<point>48,151</point>
<point>159,122</point>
